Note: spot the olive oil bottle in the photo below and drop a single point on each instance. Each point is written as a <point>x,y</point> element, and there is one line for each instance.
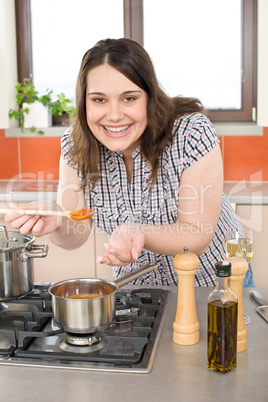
<point>222,322</point>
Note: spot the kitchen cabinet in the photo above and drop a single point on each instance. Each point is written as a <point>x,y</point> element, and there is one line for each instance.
<point>65,264</point>
<point>257,217</point>
<point>250,201</point>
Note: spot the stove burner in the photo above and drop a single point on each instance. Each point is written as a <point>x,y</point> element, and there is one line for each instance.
<point>127,300</point>
<point>82,344</point>
<point>128,311</point>
<point>82,340</point>
<point>127,304</point>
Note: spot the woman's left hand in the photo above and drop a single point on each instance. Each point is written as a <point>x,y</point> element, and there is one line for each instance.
<point>124,246</point>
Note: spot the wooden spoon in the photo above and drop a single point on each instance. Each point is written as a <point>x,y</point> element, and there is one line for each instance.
<point>76,214</point>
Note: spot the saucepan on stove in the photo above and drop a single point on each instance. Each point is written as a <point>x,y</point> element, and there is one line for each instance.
<point>16,264</point>
<point>84,306</point>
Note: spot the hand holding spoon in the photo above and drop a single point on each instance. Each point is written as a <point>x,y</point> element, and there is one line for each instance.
<point>76,214</point>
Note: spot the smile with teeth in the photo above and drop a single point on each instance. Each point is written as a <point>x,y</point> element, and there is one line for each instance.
<point>116,129</point>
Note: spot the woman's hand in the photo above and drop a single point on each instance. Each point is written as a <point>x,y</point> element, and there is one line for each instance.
<point>124,246</point>
<point>36,225</point>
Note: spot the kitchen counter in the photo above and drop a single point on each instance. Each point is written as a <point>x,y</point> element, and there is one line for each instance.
<point>241,192</point>
<point>244,192</point>
<point>179,373</point>
<point>28,190</point>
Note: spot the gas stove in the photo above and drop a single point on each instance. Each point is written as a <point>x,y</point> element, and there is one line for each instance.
<point>30,337</point>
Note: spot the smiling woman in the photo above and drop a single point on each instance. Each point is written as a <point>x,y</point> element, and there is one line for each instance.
<point>142,161</point>
<point>116,110</point>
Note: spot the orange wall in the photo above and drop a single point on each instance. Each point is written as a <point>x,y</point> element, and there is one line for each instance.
<point>242,156</point>
<point>29,156</point>
<point>245,156</point>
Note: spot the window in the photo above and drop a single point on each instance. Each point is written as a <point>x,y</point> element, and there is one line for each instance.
<point>61,32</point>
<point>204,55</point>
<point>208,48</point>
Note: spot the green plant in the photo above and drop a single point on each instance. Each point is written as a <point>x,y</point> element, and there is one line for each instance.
<point>26,93</point>
<point>63,104</point>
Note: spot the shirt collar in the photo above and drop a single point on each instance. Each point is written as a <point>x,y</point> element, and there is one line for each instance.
<point>134,154</point>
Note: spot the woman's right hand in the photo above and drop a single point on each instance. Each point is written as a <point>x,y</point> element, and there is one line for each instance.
<point>36,225</point>
<point>124,246</point>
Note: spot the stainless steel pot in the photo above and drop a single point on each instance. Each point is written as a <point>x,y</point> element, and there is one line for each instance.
<point>16,266</point>
<point>84,306</point>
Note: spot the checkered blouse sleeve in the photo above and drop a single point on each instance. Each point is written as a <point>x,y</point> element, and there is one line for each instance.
<point>66,144</point>
<point>196,136</point>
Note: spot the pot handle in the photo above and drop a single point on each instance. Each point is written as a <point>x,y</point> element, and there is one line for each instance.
<point>37,254</point>
<point>135,274</point>
<point>6,235</point>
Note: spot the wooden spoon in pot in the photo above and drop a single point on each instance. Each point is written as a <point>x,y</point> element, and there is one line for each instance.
<point>76,214</point>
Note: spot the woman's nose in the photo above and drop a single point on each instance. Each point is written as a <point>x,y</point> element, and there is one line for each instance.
<point>115,112</point>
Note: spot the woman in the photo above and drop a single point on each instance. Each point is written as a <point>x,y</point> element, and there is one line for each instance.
<point>148,165</point>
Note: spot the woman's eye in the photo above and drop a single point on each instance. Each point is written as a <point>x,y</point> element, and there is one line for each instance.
<point>129,99</point>
<point>98,100</point>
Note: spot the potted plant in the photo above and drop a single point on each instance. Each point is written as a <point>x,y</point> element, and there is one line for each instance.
<point>34,110</point>
<point>62,109</point>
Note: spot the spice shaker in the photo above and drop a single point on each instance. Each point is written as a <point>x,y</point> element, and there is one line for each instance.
<point>222,322</point>
<point>186,325</point>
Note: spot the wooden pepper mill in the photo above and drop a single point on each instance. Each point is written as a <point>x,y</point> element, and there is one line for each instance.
<point>239,269</point>
<point>186,326</point>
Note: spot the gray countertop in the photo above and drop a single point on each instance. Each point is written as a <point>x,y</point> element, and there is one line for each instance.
<point>241,192</point>
<point>244,192</point>
<point>179,373</point>
<point>28,190</point>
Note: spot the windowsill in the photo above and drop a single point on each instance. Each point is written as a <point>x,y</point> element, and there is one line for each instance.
<point>54,131</point>
<point>238,129</point>
<point>223,129</point>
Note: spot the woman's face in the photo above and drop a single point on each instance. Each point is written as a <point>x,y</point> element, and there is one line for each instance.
<point>116,109</point>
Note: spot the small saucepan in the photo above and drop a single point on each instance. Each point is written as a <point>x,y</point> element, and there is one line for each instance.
<point>84,306</point>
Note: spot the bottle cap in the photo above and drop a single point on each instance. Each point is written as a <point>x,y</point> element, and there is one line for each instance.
<point>223,268</point>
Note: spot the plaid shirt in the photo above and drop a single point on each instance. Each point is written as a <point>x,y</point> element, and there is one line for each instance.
<point>115,202</point>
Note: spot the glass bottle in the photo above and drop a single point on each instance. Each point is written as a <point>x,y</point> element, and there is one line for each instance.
<point>222,322</point>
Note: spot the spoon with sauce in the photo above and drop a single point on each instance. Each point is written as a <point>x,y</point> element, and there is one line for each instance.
<point>76,214</point>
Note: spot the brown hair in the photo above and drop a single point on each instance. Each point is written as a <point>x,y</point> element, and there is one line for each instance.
<point>130,58</point>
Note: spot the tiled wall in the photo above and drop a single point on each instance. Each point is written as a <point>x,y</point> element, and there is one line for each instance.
<point>29,156</point>
<point>242,157</point>
<point>245,157</point>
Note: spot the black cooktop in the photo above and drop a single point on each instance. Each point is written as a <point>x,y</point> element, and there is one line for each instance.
<point>29,335</point>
